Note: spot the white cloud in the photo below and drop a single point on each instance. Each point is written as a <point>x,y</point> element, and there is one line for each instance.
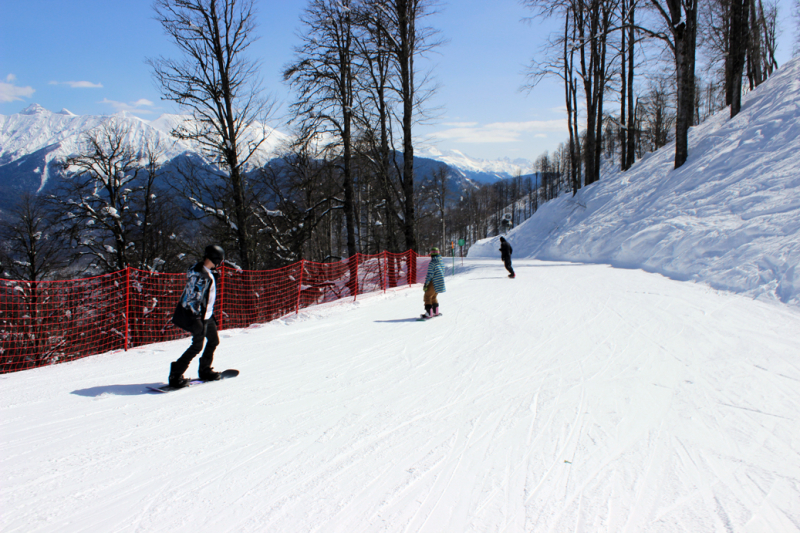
<point>460,124</point>
<point>499,132</point>
<point>10,92</point>
<point>79,84</point>
<point>139,106</point>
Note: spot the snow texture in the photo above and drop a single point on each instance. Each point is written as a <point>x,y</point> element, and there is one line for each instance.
<point>577,397</point>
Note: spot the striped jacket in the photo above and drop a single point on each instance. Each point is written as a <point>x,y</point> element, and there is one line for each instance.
<point>436,273</point>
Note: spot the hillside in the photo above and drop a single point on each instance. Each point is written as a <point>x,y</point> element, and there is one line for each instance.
<point>729,217</point>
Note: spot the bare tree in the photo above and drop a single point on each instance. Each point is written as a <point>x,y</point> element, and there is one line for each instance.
<point>739,36</point>
<point>323,76</point>
<point>761,62</point>
<point>796,15</point>
<point>559,62</point>
<point>31,249</point>
<point>440,196</point>
<point>218,84</point>
<point>627,55</point>
<point>658,114</point>
<point>593,23</point>
<point>680,21</point>
<point>99,196</point>
<point>376,105</point>
<point>406,39</point>
<point>587,27</point>
<point>300,194</point>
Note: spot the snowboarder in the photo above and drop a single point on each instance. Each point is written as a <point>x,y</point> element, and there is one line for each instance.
<point>505,255</point>
<point>195,314</point>
<point>434,284</point>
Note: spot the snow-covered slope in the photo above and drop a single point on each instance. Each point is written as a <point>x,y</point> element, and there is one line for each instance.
<point>729,217</point>
<point>575,398</point>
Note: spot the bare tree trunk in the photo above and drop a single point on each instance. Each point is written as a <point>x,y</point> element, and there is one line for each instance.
<point>631,149</point>
<point>738,51</point>
<point>680,17</point>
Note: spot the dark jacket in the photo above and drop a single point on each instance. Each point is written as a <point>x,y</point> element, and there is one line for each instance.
<point>505,250</point>
<point>191,310</point>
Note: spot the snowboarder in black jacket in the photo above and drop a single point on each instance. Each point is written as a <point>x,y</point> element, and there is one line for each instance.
<point>505,255</point>
<point>195,314</point>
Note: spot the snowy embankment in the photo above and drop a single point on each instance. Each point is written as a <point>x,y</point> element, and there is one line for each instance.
<point>729,217</point>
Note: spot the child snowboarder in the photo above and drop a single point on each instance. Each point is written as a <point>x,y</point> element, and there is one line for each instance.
<point>434,284</point>
<point>195,314</point>
<point>505,255</point>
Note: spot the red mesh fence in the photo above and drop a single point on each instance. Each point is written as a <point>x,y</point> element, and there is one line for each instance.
<point>48,322</point>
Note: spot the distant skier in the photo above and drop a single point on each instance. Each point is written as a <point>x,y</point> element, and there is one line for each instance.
<point>505,255</point>
<point>195,314</point>
<point>434,284</point>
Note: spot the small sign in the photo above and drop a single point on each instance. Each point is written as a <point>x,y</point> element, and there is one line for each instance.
<point>461,242</point>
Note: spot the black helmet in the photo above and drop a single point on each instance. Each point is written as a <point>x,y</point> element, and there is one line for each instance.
<point>215,253</point>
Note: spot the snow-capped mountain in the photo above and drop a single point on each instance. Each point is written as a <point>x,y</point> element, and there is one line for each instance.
<point>35,142</point>
<point>52,137</point>
<point>481,170</point>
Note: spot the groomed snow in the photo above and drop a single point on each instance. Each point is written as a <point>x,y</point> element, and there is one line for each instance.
<point>574,398</point>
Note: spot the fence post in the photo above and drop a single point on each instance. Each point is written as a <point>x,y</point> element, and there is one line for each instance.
<point>221,295</point>
<point>300,286</point>
<point>127,304</point>
<point>355,281</point>
<point>384,265</point>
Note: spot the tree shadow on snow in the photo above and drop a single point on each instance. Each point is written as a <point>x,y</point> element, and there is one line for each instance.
<point>117,390</point>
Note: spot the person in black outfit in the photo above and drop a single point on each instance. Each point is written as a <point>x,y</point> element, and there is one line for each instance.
<point>505,255</point>
<point>195,314</point>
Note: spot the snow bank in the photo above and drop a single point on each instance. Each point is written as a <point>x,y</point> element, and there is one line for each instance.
<point>728,217</point>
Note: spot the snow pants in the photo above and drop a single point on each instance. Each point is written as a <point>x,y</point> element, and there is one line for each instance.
<point>507,263</point>
<point>208,333</point>
<point>430,295</point>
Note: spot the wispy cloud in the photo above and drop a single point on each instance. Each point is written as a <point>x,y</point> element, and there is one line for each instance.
<point>79,84</point>
<point>9,92</point>
<point>139,106</point>
<point>499,132</point>
<point>460,124</point>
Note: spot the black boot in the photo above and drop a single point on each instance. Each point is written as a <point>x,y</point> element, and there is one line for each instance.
<point>207,374</point>
<point>176,378</point>
<point>427,313</point>
<point>435,309</point>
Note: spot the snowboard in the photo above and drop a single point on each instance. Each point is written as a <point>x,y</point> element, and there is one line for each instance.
<point>424,317</point>
<point>230,373</point>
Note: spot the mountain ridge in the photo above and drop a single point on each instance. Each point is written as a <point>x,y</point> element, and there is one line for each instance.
<point>51,137</point>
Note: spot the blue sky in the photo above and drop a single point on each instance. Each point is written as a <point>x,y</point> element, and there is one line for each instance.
<point>88,56</point>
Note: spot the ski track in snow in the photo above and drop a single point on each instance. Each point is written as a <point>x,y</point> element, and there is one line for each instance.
<point>576,397</point>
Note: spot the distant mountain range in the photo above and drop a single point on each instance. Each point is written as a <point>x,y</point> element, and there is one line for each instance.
<point>35,141</point>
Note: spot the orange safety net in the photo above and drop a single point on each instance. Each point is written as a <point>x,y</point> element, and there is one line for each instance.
<point>48,322</point>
